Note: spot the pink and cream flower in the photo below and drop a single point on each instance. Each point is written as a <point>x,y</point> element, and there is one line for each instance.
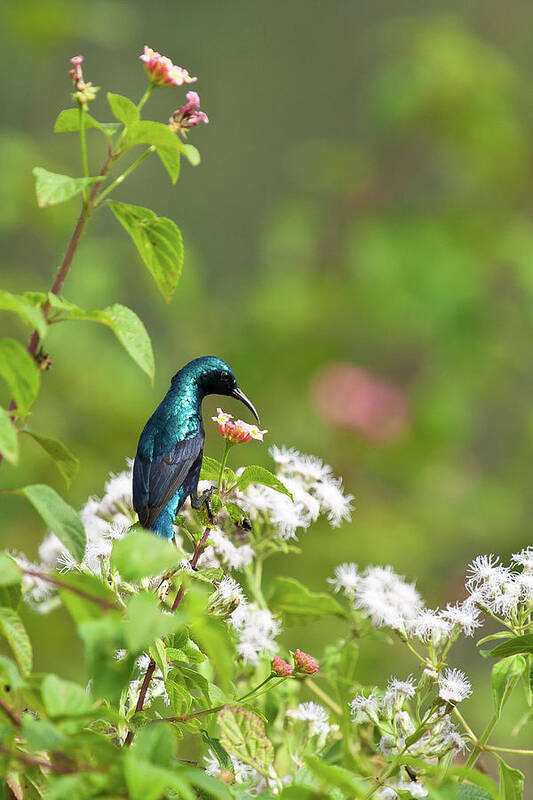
<point>236,431</point>
<point>161,70</point>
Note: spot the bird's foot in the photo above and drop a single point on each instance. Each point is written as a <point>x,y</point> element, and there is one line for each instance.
<point>197,501</point>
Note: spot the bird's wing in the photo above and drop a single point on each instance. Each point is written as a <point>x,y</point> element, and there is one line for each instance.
<point>156,482</point>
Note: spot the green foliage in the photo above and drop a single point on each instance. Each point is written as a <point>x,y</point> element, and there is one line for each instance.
<point>511,782</point>
<point>20,373</point>
<point>67,464</point>
<point>64,698</point>
<point>503,674</point>
<point>141,554</point>
<point>52,188</point>
<point>243,736</point>
<point>518,644</point>
<point>257,474</point>
<point>17,637</point>
<point>166,143</point>
<point>123,109</point>
<point>24,309</point>
<point>158,241</point>
<point>9,444</point>
<point>58,516</point>
<point>68,121</point>
<point>9,571</point>
<point>298,604</point>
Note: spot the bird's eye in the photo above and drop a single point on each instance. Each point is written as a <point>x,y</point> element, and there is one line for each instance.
<point>225,376</point>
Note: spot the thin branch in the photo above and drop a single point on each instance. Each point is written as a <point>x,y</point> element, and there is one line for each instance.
<point>107,605</point>
<point>10,712</point>
<point>53,766</point>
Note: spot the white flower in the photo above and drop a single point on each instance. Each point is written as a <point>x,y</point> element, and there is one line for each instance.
<point>429,625</point>
<point>333,502</point>
<point>455,741</point>
<point>293,462</point>
<point>241,771</point>
<point>524,558</point>
<point>502,592</point>
<point>387,793</point>
<point>454,686</point>
<point>118,490</point>
<point>346,578</point>
<point>257,629</point>
<point>415,788</point>
<point>308,505</point>
<point>397,692</point>
<point>34,589</point>
<point>390,745</point>
<point>229,589</point>
<point>386,597</point>
<point>466,615</point>
<point>313,713</point>
<point>482,568</point>
<point>365,709</point>
<point>234,557</point>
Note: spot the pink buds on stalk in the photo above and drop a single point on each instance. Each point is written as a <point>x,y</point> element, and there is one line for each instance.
<point>161,70</point>
<point>188,115</point>
<point>85,92</point>
<point>280,667</point>
<point>305,663</point>
<point>237,431</point>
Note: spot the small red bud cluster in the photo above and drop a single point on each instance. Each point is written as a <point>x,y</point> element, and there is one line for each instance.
<point>280,667</point>
<point>305,663</point>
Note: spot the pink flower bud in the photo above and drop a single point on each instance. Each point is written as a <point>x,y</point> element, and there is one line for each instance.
<point>280,667</point>
<point>85,92</point>
<point>161,70</point>
<point>305,663</point>
<point>237,431</point>
<point>188,115</point>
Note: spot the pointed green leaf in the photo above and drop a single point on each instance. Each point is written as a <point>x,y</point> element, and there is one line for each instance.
<point>257,474</point>
<point>158,241</point>
<point>20,372</point>
<point>123,109</point>
<point>68,121</point>
<point>210,469</point>
<point>242,734</point>
<point>142,554</point>
<point>191,153</point>
<point>10,572</point>
<point>511,782</point>
<point>519,644</point>
<point>298,604</point>
<point>52,188</point>
<point>167,144</point>
<point>58,516</point>
<point>67,464</point>
<point>12,628</point>
<point>9,443</point>
<point>26,311</point>
<point>502,675</point>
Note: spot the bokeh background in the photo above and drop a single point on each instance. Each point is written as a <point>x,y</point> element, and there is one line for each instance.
<point>359,246</point>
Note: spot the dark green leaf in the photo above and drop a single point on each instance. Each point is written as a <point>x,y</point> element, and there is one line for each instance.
<point>9,443</point>
<point>167,144</point>
<point>9,571</point>
<point>297,603</point>
<point>12,628</point>
<point>67,464</point>
<point>243,736</point>
<point>52,188</point>
<point>502,675</point>
<point>58,516</point>
<point>123,109</point>
<point>142,554</point>
<point>257,474</point>
<point>68,121</point>
<point>511,782</point>
<point>20,372</point>
<point>25,310</point>
<point>158,241</point>
<point>519,644</point>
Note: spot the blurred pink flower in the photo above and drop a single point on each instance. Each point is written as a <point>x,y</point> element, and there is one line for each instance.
<point>161,70</point>
<point>188,115</point>
<point>353,398</point>
<point>238,431</point>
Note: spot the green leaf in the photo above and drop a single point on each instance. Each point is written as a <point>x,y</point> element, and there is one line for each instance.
<point>210,469</point>
<point>502,675</point>
<point>20,372</point>
<point>257,474</point>
<point>9,443</point>
<point>68,121</point>
<point>156,744</point>
<point>243,736</point>
<point>81,787</point>
<point>519,644</point>
<point>64,698</point>
<point>58,516</point>
<point>25,310</point>
<point>102,638</point>
<point>10,675</point>
<point>331,775</point>
<point>146,621</point>
<point>41,734</point>
<point>298,604</point>
<point>146,781</point>
<point>52,188</point>
<point>191,154</point>
<point>19,641</point>
<point>216,641</point>
<point>67,464</point>
<point>142,554</point>
<point>167,144</point>
<point>11,595</point>
<point>482,783</point>
<point>205,783</point>
<point>85,586</point>
<point>10,572</point>
<point>511,782</point>
<point>158,241</point>
<point>123,109</point>
<point>158,652</point>
<point>124,323</point>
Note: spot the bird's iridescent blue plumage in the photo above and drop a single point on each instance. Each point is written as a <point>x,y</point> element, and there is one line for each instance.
<point>169,455</point>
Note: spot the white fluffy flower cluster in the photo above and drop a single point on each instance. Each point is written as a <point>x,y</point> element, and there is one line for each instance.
<point>314,488</point>
<point>316,717</point>
<point>504,590</point>
<point>257,629</point>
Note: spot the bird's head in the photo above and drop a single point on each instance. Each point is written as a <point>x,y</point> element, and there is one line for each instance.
<point>216,377</point>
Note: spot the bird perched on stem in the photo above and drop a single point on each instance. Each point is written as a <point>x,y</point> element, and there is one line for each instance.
<point>170,451</point>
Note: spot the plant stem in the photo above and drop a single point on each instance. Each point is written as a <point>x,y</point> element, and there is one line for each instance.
<point>121,178</point>
<point>10,712</point>
<point>49,765</point>
<point>509,750</point>
<point>107,605</point>
<point>464,723</point>
<point>145,96</point>
<point>480,744</point>
<point>83,145</point>
<point>323,696</point>
<point>223,465</point>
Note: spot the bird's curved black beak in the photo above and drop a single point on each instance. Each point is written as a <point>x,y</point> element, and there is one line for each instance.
<point>239,395</point>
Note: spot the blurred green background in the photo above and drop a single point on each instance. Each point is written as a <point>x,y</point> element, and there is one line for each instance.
<point>364,200</point>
